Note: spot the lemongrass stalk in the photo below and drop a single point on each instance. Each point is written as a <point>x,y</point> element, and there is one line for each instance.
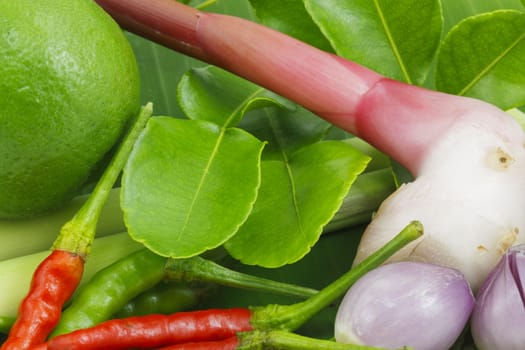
<point>23,237</point>
<point>38,234</point>
<point>365,196</point>
<point>16,273</point>
<point>379,160</point>
<point>518,115</point>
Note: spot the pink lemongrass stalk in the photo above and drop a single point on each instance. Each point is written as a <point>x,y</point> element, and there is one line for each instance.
<point>461,150</point>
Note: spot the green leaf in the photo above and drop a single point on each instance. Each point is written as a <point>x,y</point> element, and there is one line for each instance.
<point>290,17</point>
<point>483,57</point>
<point>397,38</point>
<point>212,94</point>
<point>284,130</point>
<point>454,11</point>
<point>189,185</point>
<point>299,194</point>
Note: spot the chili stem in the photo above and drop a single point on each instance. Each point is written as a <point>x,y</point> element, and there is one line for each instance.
<point>291,317</point>
<point>77,234</point>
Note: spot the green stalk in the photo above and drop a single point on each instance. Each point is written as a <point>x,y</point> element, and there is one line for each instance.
<point>365,196</point>
<point>379,159</point>
<point>199,269</point>
<point>291,317</point>
<point>77,234</point>
<point>5,323</point>
<point>518,115</point>
<point>24,237</point>
<point>291,341</point>
<point>367,193</point>
<point>17,272</point>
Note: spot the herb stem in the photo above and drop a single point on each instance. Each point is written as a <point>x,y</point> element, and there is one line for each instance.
<point>291,341</point>
<point>200,269</point>
<point>291,317</point>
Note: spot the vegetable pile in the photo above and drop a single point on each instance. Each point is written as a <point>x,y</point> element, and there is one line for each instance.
<point>339,136</point>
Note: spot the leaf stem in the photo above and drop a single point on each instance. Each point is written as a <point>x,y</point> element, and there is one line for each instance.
<point>291,317</point>
<point>291,341</point>
<point>78,233</point>
<point>200,269</point>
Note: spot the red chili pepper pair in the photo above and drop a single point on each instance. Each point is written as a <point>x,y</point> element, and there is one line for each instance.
<point>182,330</point>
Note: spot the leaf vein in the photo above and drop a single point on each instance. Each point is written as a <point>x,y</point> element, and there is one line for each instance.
<point>200,185</point>
<point>392,43</point>
<point>490,66</point>
<point>289,171</point>
<point>241,106</point>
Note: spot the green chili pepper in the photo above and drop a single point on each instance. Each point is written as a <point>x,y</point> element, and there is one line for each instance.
<point>111,288</point>
<point>167,298</point>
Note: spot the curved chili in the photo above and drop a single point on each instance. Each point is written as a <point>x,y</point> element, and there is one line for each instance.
<point>53,283</point>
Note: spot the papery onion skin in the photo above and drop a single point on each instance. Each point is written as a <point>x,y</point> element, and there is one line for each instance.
<point>414,304</point>
<point>498,318</point>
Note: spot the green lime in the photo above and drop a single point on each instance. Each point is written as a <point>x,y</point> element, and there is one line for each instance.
<point>69,84</point>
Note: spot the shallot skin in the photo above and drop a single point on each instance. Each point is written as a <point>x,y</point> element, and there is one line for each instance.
<point>423,306</point>
<point>498,317</point>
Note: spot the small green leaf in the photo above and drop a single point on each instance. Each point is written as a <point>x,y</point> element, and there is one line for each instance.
<point>189,185</point>
<point>297,197</point>
<point>212,94</point>
<point>397,38</point>
<point>483,57</point>
<point>290,17</point>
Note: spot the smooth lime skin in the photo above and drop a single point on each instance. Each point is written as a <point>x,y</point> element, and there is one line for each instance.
<point>69,84</point>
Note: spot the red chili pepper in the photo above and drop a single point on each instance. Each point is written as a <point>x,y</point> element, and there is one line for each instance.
<point>151,331</point>
<point>225,344</point>
<point>53,283</point>
<point>57,277</point>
